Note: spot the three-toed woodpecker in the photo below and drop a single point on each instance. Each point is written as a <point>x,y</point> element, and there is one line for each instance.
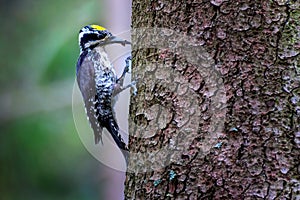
<point>98,82</point>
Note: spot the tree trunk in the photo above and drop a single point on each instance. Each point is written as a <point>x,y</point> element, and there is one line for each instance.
<point>217,112</point>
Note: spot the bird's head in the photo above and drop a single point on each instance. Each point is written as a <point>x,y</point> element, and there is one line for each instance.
<point>94,35</point>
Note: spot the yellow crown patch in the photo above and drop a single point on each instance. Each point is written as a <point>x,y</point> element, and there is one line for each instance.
<point>98,28</point>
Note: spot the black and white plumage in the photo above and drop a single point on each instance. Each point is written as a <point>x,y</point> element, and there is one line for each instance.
<point>98,82</point>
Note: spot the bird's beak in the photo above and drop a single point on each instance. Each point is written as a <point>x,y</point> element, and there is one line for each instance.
<point>114,39</point>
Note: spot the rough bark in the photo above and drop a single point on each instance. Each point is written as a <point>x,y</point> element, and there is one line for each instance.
<point>256,51</point>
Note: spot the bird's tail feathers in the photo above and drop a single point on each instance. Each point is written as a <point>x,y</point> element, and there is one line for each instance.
<point>114,130</point>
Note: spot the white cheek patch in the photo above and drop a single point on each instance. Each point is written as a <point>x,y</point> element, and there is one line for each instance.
<point>90,43</point>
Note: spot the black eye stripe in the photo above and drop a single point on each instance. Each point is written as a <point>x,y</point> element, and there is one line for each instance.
<point>89,36</point>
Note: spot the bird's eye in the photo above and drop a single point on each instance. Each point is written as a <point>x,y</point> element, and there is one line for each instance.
<point>101,35</point>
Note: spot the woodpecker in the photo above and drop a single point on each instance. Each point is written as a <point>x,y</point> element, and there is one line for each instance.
<point>98,82</point>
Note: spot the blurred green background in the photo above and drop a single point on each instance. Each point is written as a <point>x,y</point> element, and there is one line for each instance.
<point>41,155</point>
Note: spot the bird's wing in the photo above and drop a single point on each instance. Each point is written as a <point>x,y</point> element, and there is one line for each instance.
<point>87,86</point>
